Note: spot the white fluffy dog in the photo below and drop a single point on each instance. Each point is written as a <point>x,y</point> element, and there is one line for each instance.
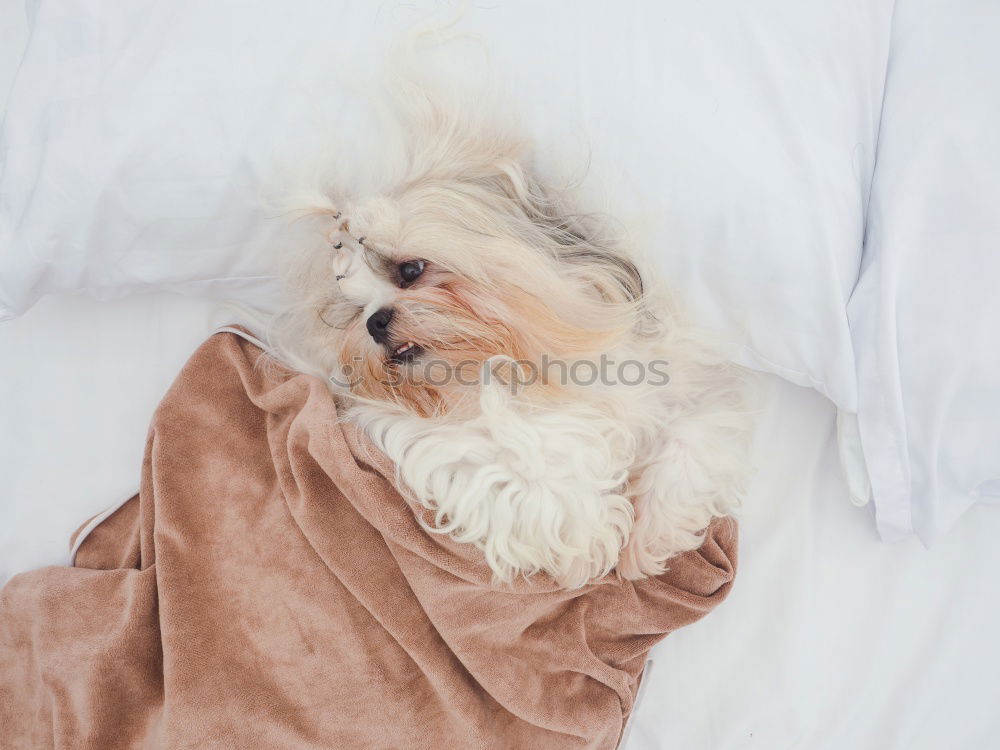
<point>509,354</point>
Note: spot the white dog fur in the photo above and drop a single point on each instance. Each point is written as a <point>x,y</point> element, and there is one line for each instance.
<point>568,479</point>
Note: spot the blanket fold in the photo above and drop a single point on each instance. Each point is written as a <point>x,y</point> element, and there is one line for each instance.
<point>271,586</point>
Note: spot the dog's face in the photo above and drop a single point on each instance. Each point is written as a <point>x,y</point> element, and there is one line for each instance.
<point>433,280</point>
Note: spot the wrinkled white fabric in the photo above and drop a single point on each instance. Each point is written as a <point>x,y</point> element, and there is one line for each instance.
<point>925,318</point>
<point>139,137</point>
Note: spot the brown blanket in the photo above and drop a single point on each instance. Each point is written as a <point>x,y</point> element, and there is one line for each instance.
<point>270,587</point>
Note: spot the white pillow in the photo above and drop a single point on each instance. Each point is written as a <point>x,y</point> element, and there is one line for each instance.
<point>139,135</point>
<point>925,317</point>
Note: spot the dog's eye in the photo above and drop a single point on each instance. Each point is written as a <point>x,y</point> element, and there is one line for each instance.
<point>409,271</point>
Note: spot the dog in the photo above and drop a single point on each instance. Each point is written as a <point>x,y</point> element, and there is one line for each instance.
<point>528,376</point>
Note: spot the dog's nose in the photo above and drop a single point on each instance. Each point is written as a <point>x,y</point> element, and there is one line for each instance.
<point>378,325</point>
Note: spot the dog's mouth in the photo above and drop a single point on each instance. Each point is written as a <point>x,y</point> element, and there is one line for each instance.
<point>406,352</point>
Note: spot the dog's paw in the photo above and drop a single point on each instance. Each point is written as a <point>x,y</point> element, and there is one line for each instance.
<point>636,562</point>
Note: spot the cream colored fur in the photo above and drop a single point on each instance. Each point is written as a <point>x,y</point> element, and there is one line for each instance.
<point>568,479</point>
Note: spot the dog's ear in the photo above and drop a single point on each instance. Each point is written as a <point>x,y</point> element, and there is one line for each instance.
<point>580,242</point>
<point>449,143</point>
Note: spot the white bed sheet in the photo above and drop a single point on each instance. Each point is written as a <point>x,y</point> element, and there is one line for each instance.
<point>830,639</point>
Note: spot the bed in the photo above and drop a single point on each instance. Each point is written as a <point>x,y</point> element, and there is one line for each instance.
<point>832,638</point>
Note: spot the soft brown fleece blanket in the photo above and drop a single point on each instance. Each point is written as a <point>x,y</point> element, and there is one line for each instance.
<point>270,587</point>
